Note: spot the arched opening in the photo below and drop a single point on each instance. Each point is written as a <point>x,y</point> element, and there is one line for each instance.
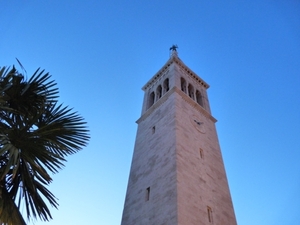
<point>199,98</point>
<point>158,92</point>
<point>191,91</point>
<point>183,84</point>
<point>151,99</point>
<point>166,85</point>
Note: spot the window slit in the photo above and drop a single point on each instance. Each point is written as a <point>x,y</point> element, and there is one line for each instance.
<point>209,214</point>
<point>147,193</point>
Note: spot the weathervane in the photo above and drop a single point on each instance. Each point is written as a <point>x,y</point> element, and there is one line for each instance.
<point>174,48</point>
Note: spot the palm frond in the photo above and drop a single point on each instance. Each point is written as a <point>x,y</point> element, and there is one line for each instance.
<point>36,136</point>
<point>9,212</point>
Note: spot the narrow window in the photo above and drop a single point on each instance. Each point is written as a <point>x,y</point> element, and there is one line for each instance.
<point>147,193</point>
<point>158,92</point>
<point>209,214</point>
<point>183,84</point>
<point>153,130</point>
<point>199,98</point>
<point>191,91</point>
<point>166,85</point>
<point>151,99</point>
<point>201,153</point>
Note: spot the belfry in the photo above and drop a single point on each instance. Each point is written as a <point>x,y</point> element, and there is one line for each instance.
<point>177,175</point>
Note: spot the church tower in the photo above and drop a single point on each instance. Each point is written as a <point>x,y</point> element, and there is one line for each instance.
<point>177,175</point>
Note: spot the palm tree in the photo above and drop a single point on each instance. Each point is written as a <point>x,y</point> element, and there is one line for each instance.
<point>36,135</point>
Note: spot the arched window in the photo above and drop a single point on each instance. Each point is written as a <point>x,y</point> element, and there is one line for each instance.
<point>166,85</point>
<point>199,98</point>
<point>151,99</point>
<point>183,84</point>
<point>191,91</point>
<point>158,92</point>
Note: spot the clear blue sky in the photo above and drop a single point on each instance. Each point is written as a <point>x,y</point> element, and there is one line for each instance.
<point>102,52</point>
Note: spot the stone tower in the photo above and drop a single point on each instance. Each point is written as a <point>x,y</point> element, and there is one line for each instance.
<point>177,174</point>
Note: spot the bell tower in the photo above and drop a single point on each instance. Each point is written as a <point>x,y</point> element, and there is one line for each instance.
<point>177,175</point>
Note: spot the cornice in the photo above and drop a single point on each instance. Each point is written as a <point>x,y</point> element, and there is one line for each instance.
<point>158,75</point>
<point>190,73</point>
<point>174,59</point>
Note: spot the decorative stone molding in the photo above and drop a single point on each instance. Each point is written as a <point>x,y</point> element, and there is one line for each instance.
<point>156,105</point>
<point>158,76</point>
<point>185,70</point>
<point>194,104</point>
<point>184,96</point>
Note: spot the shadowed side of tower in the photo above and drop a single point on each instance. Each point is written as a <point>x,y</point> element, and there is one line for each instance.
<point>177,174</point>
